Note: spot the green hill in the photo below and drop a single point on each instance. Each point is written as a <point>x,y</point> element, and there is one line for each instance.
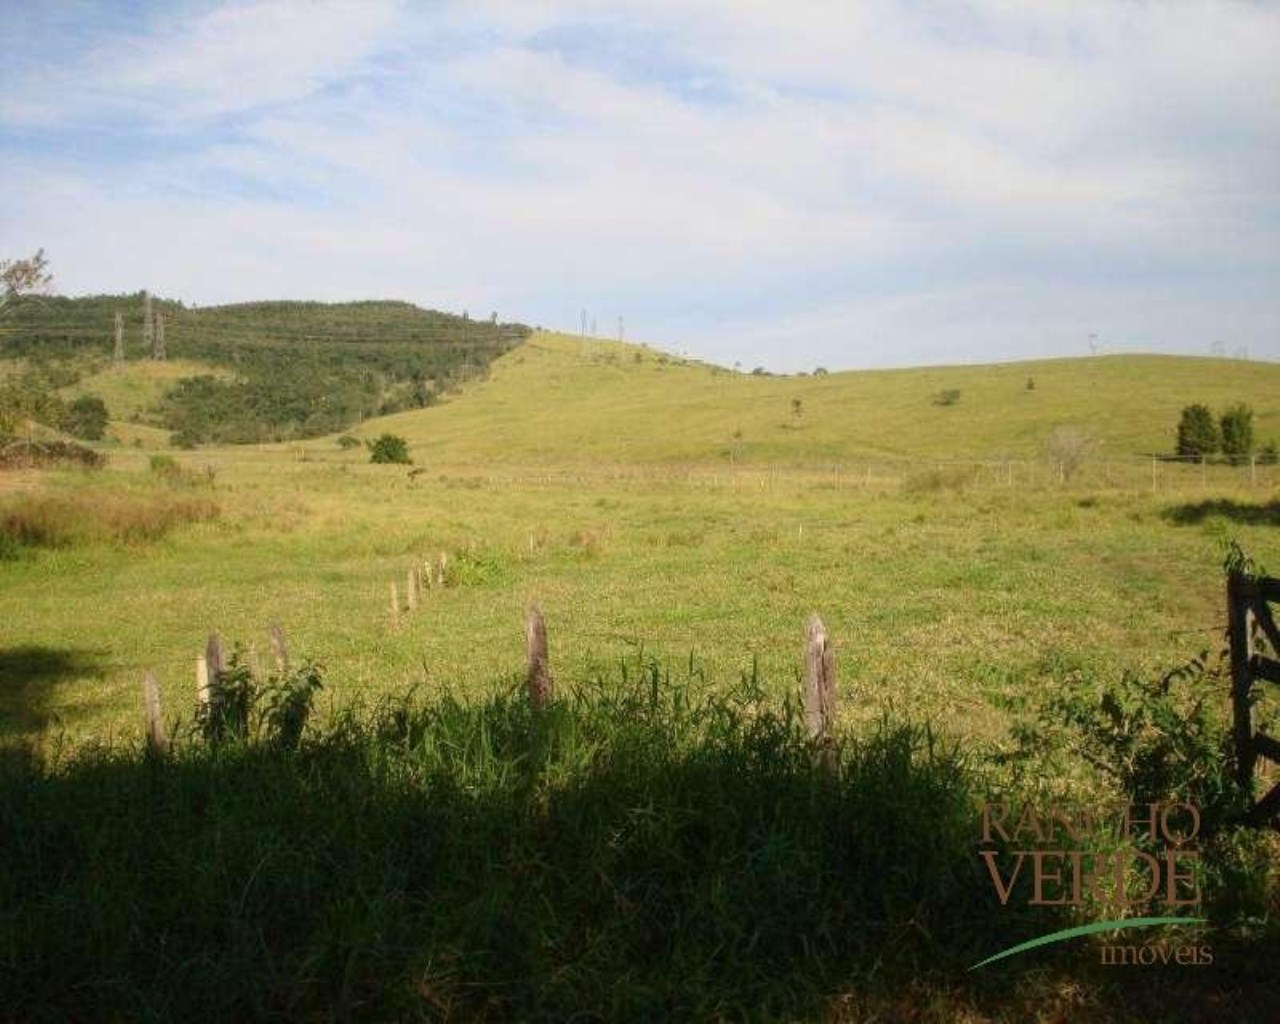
<point>559,399</point>
<point>296,369</point>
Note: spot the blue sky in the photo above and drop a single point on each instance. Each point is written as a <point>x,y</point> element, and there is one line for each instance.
<point>779,184</point>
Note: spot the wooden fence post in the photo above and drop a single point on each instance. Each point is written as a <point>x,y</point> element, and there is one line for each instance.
<point>395,605</point>
<point>537,667</point>
<point>442,563</point>
<point>1241,678</point>
<point>157,738</point>
<point>202,681</point>
<point>819,681</point>
<point>411,588</point>
<point>275,637</point>
<point>215,661</point>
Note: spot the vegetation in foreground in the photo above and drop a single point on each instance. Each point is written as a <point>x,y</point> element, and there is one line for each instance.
<point>641,850</point>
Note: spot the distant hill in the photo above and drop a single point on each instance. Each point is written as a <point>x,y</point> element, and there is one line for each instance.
<point>561,399</point>
<point>297,369</point>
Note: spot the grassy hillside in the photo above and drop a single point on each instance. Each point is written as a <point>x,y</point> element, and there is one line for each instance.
<point>134,390</point>
<point>560,399</point>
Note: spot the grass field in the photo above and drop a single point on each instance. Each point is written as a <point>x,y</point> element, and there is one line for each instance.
<point>608,490</point>
<point>964,581</point>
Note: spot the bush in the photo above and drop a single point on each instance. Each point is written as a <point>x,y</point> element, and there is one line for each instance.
<point>1237,433</point>
<point>949,396</point>
<point>1269,454</point>
<point>1197,432</point>
<point>1068,447</point>
<point>86,418</point>
<point>16,454</point>
<point>346,442</point>
<point>390,449</point>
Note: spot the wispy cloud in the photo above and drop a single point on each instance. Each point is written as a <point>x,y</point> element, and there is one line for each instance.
<point>832,183</point>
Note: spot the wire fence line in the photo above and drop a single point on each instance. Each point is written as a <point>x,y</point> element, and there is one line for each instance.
<point>911,473</point>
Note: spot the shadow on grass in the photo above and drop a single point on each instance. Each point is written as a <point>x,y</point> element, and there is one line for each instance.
<point>613,858</point>
<point>1244,513</point>
<point>28,676</point>
<point>616,857</point>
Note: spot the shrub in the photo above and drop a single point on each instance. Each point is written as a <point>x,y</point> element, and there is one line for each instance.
<point>390,448</point>
<point>15,454</point>
<point>86,418</point>
<point>1237,433</point>
<point>346,442</point>
<point>1197,432</point>
<point>1269,454</point>
<point>1068,447</point>
<point>948,396</point>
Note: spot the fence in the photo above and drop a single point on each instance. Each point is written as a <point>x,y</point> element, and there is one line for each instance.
<point>818,697</point>
<point>1252,630</point>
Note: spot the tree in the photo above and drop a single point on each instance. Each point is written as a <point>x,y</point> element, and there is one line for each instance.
<point>1237,433</point>
<point>1197,432</point>
<point>1068,447</point>
<point>390,449</point>
<point>86,418</point>
<point>21,277</point>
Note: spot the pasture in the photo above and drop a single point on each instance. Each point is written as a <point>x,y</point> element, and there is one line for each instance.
<point>676,526</point>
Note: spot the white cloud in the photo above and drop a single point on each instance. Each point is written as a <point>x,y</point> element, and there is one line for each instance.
<point>881,162</point>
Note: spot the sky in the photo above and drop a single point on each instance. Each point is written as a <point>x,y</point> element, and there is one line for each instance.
<point>783,184</point>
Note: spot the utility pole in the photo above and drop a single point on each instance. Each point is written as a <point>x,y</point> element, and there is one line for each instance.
<point>583,332</point>
<point>159,352</point>
<point>148,325</point>
<point>619,328</point>
<point>119,354</point>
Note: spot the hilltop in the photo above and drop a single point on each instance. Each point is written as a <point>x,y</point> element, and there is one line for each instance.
<point>557,398</point>
<point>253,371</point>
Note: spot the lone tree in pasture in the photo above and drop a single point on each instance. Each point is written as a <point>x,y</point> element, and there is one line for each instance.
<point>390,448</point>
<point>1237,433</point>
<point>1197,432</point>
<point>1068,447</point>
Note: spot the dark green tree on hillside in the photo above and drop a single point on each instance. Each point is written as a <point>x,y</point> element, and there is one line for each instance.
<point>1237,433</point>
<point>86,418</point>
<point>1197,432</point>
<point>390,449</point>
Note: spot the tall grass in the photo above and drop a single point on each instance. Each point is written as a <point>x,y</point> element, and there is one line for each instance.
<point>58,520</point>
<point>627,854</point>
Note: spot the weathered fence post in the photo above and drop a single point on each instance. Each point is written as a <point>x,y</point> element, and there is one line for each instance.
<point>411,588</point>
<point>819,681</point>
<point>537,666</point>
<point>1241,678</point>
<point>395,605</point>
<point>157,738</point>
<point>215,662</point>
<point>442,563</point>
<point>202,681</point>
<point>275,637</point>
